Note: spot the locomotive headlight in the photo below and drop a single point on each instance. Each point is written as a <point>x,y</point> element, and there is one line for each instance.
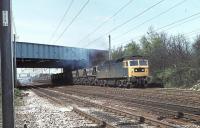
<point>142,70</point>
<point>135,70</point>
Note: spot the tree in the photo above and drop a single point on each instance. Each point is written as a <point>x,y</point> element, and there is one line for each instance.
<point>132,49</point>
<point>154,48</point>
<point>146,47</point>
<point>196,48</point>
<point>118,53</point>
<point>179,51</point>
<point>171,58</point>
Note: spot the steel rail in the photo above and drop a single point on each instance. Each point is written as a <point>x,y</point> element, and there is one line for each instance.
<point>193,110</point>
<point>151,105</point>
<point>139,118</point>
<point>101,124</point>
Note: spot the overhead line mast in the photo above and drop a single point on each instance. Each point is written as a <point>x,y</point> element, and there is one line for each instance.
<point>6,64</point>
<point>110,52</point>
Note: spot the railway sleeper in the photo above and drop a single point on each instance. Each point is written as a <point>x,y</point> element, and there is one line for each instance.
<point>139,118</point>
<point>101,124</point>
<point>180,115</point>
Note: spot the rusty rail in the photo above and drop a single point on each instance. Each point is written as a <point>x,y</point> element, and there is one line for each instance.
<point>177,114</point>
<point>139,118</point>
<point>101,124</point>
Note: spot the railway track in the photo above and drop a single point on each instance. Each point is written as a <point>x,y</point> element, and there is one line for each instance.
<point>177,92</point>
<point>190,98</point>
<point>121,114</point>
<point>100,123</point>
<point>177,111</point>
<point>152,94</point>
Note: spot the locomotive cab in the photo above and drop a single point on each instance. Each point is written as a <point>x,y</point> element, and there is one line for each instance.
<point>138,71</point>
<point>138,68</point>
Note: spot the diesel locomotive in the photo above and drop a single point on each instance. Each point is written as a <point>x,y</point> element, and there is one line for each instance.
<point>125,72</point>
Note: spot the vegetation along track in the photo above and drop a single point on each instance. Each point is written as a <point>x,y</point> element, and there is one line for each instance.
<point>57,96</point>
<point>188,113</point>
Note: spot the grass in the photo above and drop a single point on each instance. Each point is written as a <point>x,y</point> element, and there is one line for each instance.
<point>18,97</point>
<point>17,92</point>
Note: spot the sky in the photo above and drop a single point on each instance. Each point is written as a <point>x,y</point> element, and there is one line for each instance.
<point>36,21</point>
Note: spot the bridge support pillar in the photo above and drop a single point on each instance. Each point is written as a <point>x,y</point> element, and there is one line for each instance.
<point>67,76</point>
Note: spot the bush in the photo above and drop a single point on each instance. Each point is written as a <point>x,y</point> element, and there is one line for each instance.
<point>178,77</point>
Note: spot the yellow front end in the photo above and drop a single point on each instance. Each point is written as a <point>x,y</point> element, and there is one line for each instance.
<point>138,71</point>
<point>138,68</point>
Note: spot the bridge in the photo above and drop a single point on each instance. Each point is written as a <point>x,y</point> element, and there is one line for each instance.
<point>32,55</point>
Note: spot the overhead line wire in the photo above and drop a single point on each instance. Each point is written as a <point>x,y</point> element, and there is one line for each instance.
<point>169,9</point>
<point>182,23</point>
<point>127,21</point>
<point>193,31</point>
<point>72,21</point>
<point>178,21</point>
<point>174,22</point>
<point>62,19</point>
<point>100,26</point>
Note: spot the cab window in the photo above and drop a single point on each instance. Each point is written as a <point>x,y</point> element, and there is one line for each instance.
<point>134,63</point>
<point>143,62</point>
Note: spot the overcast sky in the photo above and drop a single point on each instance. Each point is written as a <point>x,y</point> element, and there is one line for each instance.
<point>36,20</point>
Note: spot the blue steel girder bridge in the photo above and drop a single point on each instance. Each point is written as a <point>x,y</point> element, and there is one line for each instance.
<point>31,55</point>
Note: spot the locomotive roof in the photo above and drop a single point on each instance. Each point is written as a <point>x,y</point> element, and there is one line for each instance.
<point>124,58</point>
<point>130,58</point>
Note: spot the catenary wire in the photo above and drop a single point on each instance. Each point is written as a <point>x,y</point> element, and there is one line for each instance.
<point>177,21</point>
<point>192,32</point>
<point>148,20</point>
<point>103,23</point>
<point>173,23</point>
<point>127,21</point>
<point>61,21</point>
<point>73,20</point>
<point>182,23</point>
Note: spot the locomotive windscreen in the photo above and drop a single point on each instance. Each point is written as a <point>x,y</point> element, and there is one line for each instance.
<point>134,63</point>
<point>143,62</point>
